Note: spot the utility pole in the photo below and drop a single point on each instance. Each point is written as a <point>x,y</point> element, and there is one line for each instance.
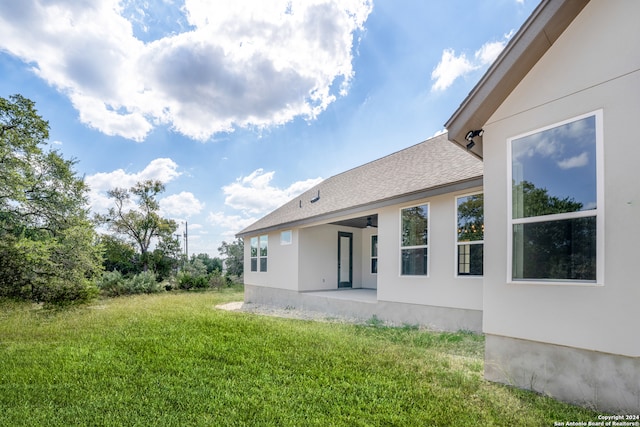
<point>186,239</point>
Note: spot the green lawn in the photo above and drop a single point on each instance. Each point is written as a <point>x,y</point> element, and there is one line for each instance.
<point>174,360</point>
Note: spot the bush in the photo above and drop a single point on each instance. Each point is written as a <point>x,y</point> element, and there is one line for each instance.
<point>217,280</point>
<point>113,284</point>
<point>188,281</point>
<point>143,283</point>
<point>45,271</point>
<point>170,283</point>
<point>62,293</point>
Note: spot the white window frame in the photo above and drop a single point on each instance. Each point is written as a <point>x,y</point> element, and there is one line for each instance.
<point>428,245</point>
<point>371,254</point>
<point>284,240</point>
<point>261,257</point>
<point>251,257</point>
<point>598,212</point>
<point>458,243</point>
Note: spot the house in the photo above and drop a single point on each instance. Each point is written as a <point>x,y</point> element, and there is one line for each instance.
<point>527,231</point>
<point>388,229</point>
<point>558,111</point>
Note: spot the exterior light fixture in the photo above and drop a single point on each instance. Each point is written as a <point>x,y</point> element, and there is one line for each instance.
<point>472,134</point>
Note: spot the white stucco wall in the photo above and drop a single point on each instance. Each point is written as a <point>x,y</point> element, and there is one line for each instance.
<point>309,263</point>
<point>369,280</point>
<point>282,264</point>
<point>318,267</point>
<point>585,70</point>
<point>441,287</point>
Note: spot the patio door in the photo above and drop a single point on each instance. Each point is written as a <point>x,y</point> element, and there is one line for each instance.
<point>345,259</point>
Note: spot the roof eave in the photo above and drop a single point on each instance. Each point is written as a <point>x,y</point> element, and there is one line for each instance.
<point>404,198</point>
<point>547,22</point>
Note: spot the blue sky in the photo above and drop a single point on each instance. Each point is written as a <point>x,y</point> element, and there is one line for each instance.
<point>239,106</point>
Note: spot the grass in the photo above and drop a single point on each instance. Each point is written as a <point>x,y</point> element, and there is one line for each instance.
<point>174,360</point>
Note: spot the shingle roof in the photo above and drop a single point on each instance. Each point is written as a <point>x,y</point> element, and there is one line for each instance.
<point>432,164</point>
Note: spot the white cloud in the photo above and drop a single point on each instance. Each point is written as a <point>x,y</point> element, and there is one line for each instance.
<point>214,66</point>
<point>537,144</point>
<point>451,67</point>
<point>183,204</point>
<point>439,132</point>
<point>254,194</point>
<point>575,162</point>
<point>489,52</point>
<point>231,224</point>
<point>162,169</point>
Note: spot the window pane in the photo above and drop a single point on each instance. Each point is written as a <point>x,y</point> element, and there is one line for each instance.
<point>254,264</point>
<point>285,237</point>
<point>374,245</point>
<point>554,171</point>
<point>414,226</point>
<point>414,261</point>
<point>374,265</point>
<point>562,250</point>
<point>263,264</point>
<point>263,245</point>
<point>254,246</point>
<point>471,218</point>
<point>470,259</point>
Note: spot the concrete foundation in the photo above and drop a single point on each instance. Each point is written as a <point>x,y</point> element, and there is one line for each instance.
<point>605,382</point>
<point>363,304</point>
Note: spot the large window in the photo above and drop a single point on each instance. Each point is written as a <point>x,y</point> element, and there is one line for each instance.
<point>470,234</point>
<point>259,246</point>
<point>414,240</point>
<point>555,207</point>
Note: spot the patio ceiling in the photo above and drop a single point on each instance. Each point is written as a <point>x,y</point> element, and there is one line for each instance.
<point>360,222</point>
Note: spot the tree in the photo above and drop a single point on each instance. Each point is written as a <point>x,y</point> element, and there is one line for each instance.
<point>471,219</point>
<point>166,258</point>
<point>471,229</point>
<point>119,255</point>
<point>211,264</point>
<point>535,201</point>
<point>234,256</point>
<point>138,220</point>
<point>554,248</point>
<point>48,249</point>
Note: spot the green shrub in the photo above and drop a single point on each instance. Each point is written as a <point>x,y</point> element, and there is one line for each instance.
<point>185,280</point>
<point>59,292</point>
<point>188,280</point>
<point>170,283</point>
<point>143,283</point>
<point>113,284</point>
<point>217,280</point>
